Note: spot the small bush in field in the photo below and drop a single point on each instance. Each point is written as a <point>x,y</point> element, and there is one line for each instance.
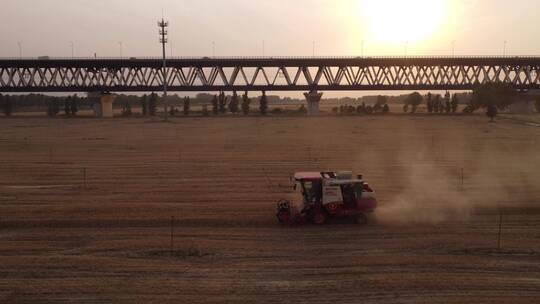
<point>190,252</point>
<point>369,110</point>
<point>277,111</point>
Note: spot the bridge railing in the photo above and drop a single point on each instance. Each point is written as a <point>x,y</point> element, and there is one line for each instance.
<point>262,58</point>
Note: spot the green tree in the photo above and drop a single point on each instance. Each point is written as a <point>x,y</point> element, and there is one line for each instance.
<point>215,105</point>
<point>2,102</point>
<point>187,106</point>
<point>499,94</point>
<point>437,103</point>
<point>361,109</point>
<point>386,109</point>
<point>492,112</point>
<point>454,103</point>
<point>53,108</point>
<point>430,103</point>
<point>144,104</point>
<point>381,101</point>
<point>493,97</point>
<point>222,103</point>
<point>233,105</point>
<point>152,104</point>
<point>74,105</point>
<point>67,105</point>
<point>414,100</point>
<point>448,105</point>
<point>7,105</point>
<point>263,106</point>
<point>369,110</point>
<point>56,106</point>
<point>126,109</point>
<point>246,102</point>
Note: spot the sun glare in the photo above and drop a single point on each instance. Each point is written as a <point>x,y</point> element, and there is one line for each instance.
<point>396,21</point>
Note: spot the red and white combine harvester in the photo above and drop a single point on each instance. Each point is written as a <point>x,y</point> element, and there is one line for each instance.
<point>324,195</point>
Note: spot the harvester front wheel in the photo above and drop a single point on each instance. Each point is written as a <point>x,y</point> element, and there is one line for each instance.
<point>284,217</point>
<point>319,217</point>
<point>284,212</point>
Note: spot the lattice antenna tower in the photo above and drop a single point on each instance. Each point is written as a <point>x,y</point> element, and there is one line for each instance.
<point>163,39</point>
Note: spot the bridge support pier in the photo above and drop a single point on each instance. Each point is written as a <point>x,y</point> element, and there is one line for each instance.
<point>102,104</point>
<point>313,100</point>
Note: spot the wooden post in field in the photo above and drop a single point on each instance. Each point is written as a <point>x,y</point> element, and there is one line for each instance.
<point>500,229</point>
<point>84,178</point>
<point>172,235</point>
<point>462,179</point>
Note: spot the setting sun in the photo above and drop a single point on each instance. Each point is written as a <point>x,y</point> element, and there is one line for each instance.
<point>392,21</point>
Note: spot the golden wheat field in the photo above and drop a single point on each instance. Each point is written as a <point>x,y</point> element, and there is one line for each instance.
<point>86,208</point>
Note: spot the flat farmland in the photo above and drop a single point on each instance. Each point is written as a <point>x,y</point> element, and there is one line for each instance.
<point>86,208</point>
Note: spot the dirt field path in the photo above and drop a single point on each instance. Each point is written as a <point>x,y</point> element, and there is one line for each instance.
<point>86,207</point>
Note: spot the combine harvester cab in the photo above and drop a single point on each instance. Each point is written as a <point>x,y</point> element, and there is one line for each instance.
<point>325,195</point>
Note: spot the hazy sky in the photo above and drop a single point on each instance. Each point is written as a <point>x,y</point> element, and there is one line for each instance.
<point>288,27</point>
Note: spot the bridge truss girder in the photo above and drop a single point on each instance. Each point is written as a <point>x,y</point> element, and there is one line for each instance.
<point>265,75</point>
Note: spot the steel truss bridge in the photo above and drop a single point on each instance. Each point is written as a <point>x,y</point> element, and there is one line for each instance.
<point>266,74</point>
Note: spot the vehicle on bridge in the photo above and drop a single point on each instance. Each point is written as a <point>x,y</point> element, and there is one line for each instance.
<point>325,195</point>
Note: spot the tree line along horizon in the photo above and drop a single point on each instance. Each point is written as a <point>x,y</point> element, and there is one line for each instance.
<point>493,97</point>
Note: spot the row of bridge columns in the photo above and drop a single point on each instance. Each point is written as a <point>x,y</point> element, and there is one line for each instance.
<point>103,103</point>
